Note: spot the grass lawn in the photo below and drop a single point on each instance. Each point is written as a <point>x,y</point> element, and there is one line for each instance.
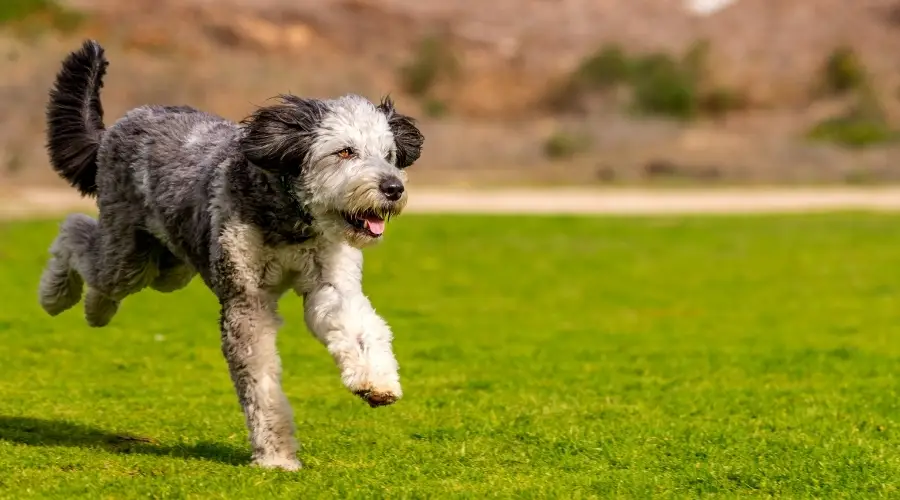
<point>541,357</point>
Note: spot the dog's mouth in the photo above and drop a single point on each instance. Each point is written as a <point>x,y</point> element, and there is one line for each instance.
<point>366,222</point>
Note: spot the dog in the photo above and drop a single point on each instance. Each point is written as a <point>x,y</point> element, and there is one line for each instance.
<point>284,200</point>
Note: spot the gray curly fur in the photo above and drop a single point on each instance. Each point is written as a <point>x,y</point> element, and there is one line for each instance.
<point>283,200</point>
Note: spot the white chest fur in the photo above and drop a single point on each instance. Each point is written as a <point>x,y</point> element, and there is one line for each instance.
<point>262,268</point>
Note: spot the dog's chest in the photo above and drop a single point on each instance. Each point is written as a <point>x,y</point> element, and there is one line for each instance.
<point>283,267</point>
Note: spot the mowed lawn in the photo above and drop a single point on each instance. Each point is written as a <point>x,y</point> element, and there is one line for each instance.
<point>544,357</point>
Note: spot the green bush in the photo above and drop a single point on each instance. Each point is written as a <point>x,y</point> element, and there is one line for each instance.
<point>432,61</point>
<point>853,132</point>
<point>17,10</point>
<point>605,68</point>
<point>864,124</point>
<point>33,14</point>
<point>564,145</point>
<point>434,108</point>
<point>843,71</point>
<point>662,86</point>
<point>602,70</point>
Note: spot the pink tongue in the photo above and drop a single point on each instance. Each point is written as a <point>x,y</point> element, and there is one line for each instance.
<point>375,225</point>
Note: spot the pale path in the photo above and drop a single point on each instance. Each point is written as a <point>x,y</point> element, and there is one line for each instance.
<point>36,202</point>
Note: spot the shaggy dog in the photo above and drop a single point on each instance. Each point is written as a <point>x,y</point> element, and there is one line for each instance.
<point>285,200</point>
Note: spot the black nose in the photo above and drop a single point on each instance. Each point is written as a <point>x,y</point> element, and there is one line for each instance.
<point>392,188</point>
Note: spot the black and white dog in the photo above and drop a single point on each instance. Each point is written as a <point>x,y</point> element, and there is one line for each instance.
<point>283,201</point>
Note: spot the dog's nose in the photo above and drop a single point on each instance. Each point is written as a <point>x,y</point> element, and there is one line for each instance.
<point>392,188</point>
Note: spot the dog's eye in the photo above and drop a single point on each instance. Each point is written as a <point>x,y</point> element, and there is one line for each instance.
<point>345,154</point>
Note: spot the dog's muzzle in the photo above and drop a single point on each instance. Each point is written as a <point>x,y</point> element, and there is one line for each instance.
<point>388,202</point>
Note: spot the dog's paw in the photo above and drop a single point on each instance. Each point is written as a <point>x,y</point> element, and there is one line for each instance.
<point>279,463</point>
<point>60,288</point>
<point>373,377</point>
<point>380,392</point>
<point>377,398</point>
<point>99,309</point>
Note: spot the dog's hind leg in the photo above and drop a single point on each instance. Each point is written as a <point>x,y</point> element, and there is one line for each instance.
<point>114,259</point>
<point>99,308</point>
<point>124,265</point>
<point>62,283</point>
<point>76,259</point>
<point>174,274</point>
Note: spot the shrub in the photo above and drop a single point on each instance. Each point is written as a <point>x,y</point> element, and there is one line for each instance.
<point>603,69</point>
<point>33,14</point>
<point>843,71</point>
<point>434,108</point>
<point>663,86</point>
<point>432,61</point>
<point>562,145</point>
<point>17,10</point>
<point>853,132</point>
<point>864,124</point>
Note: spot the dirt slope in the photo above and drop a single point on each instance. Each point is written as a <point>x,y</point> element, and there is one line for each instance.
<point>229,55</point>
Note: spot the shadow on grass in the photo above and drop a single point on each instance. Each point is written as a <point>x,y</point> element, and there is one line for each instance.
<point>42,432</point>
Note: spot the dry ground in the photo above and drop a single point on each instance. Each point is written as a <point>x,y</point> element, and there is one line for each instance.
<point>230,56</point>
<point>52,202</point>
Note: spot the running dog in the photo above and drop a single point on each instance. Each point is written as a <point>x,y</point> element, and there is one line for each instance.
<point>284,200</point>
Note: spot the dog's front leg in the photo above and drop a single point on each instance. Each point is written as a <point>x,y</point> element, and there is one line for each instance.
<point>249,327</point>
<point>341,317</point>
<point>358,339</point>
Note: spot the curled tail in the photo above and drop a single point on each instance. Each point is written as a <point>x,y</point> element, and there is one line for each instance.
<point>75,117</point>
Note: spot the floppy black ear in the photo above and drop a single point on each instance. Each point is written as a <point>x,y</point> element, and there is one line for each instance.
<point>407,136</point>
<point>278,137</point>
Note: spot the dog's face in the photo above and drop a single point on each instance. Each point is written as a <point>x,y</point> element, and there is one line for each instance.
<point>344,158</point>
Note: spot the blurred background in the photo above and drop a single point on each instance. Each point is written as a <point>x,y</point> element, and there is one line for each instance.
<point>508,92</point>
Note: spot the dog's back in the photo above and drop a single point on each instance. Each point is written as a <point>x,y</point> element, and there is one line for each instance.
<point>154,168</point>
<point>161,164</point>
<point>154,172</point>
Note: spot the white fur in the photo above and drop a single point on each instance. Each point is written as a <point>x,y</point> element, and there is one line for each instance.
<point>336,185</point>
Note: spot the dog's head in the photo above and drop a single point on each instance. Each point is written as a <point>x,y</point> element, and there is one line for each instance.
<point>345,159</point>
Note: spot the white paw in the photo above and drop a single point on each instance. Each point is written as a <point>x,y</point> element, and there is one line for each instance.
<point>377,398</point>
<point>282,463</point>
<point>371,374</point>
<point>377,391</point>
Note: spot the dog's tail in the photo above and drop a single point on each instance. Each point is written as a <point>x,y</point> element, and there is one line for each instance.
<point>75,117</point>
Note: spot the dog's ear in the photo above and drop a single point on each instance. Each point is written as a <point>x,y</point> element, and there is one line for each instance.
<point>278,137</point>
<point>407,136</point>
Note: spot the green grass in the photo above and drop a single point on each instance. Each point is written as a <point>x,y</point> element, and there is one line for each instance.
<point>541,358</point>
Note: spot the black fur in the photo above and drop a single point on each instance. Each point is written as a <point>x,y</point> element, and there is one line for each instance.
<point>406,135</point>
<point>266,200</point>
<point>75,117</point>
<point>278,137</point>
